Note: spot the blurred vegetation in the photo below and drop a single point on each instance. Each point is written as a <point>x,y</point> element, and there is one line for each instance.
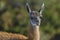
<point>16,19</point>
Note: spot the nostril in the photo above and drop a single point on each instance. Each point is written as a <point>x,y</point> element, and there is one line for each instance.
<point>37,21</point>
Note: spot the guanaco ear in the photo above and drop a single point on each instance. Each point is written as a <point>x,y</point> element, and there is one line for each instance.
<point>41,9</point>
<point>28,7</point>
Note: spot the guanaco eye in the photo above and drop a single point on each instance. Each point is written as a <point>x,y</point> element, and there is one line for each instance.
<point>41,17</point>
<point>31,17</point>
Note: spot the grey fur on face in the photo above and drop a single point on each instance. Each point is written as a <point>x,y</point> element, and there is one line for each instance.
<point>35,16</point>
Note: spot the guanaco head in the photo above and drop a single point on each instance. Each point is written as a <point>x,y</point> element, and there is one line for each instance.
<point>35,16</point>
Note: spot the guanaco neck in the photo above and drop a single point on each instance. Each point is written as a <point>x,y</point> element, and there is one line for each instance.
<point>34,33</point>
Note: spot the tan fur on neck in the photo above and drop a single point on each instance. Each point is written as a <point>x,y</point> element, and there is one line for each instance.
<point>34,33</point>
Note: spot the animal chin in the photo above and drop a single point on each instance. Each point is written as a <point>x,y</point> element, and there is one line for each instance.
<point>34,23</point>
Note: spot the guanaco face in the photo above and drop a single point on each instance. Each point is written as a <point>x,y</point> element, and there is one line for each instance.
<point>35,16</point>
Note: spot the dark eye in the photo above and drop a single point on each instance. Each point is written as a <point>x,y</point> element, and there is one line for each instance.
<point>40,17</point>
<point>31,17</point>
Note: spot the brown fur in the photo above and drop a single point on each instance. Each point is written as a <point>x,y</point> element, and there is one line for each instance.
<point>34,33</point>
<point>11,36</point>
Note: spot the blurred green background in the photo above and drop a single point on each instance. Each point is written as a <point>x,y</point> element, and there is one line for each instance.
<point>16,19</point>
